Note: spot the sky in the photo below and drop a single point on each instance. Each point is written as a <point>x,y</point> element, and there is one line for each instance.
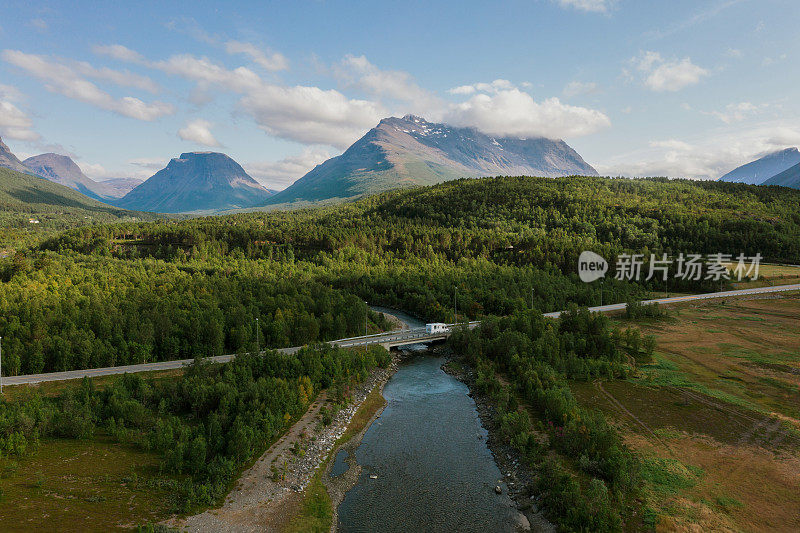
<point>638,87</point>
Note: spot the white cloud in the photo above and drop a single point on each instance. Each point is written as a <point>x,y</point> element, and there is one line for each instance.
<point>281,174</point>
<point>123,78</point>
<point>492,87</point>
<point>515,113</point>
<point>397,85</point>
<point>662,75</point>
<point>150,163</point>
<point>734,53</point>
<point>15,124</point>
<point>671,144</point>
<point>10,93</point>
<point>462,89</point>
<point>767,61</point>
<point>737,112</point>
<point>62,79</point>
<point>198,131</point>
<point>575,88</point>
<point>206,72</point>
<point>120,53</point>
<point>592,6</point>
<point>93,170</point>
<point>706,157</point>
<point>269,60</point>
<point>311,115</point>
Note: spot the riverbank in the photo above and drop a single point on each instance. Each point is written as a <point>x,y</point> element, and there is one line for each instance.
<point>338,485</point>
<point>518,477</point>
<point>269,495</point>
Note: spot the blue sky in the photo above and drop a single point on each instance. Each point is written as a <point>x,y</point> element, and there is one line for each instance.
<point>679,88</point>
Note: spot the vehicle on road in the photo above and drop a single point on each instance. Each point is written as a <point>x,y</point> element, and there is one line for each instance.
<point>436,327</point>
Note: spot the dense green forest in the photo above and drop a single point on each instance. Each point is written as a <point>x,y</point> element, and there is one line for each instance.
<point>591,481</point>
<point>206,424</point>
<point>502,250</point>
<point>144,291</point>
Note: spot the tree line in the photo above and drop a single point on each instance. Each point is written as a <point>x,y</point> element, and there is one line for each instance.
<point>587,477</point>
<point>144,291</point>
<point>206,425</point>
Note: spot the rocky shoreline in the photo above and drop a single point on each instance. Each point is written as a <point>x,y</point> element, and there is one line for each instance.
<point>337,486</point>
<point>517,476</point>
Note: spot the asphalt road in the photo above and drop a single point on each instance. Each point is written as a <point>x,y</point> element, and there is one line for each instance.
<point>691,297</point>
<point>408,336</point>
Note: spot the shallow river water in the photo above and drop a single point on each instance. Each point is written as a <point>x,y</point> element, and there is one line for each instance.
<point>425,463</point>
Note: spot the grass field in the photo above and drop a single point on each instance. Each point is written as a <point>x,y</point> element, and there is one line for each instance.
<point>769,275</point>
<point>81,485</point>
<point>93,484</point>
<point>716,416</point>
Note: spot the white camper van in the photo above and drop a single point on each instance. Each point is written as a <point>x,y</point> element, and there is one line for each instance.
<point>436,327</point>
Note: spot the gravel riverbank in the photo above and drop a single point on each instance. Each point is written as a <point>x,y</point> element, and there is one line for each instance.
<point>269,493</point>
<point>338,486</point>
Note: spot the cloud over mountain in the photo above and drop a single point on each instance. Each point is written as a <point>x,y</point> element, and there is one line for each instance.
<point>514,112</point>
<point>198,131</point>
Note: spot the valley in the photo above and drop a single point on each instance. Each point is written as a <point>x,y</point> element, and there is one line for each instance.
<point>177,289</point>
<point>468,267</point>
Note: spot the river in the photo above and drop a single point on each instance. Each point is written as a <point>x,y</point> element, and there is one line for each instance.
<point>425,462</point>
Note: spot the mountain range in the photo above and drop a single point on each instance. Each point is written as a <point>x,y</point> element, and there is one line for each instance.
<point>24,197</point>
<point>197,181</point>
<point>9,160</point>
<point>62,169</point>
<point>763,170</point>
<point>788,178</point>
<point>410,151</point>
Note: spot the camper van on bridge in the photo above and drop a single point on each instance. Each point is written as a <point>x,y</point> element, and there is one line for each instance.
<point>436,327</point>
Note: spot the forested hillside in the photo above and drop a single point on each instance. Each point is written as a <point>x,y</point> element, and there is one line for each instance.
<point>133,292</point>
<point>31,206</point>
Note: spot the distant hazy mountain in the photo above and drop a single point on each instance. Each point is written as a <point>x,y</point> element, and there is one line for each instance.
<point>408,151</point>
<point>788,178</point>
<point>9,160</point>
<point>761,170</point>
<point>63,170</point>
<point>119,187</point>
<point>197,181</point>
<point>28,194</point>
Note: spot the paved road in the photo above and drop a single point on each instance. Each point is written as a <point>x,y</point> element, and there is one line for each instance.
<point>691,297</point>
<point>398,338</point>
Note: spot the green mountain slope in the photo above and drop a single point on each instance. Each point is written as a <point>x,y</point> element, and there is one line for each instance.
<point>410,151</point>
<point>26,199</point>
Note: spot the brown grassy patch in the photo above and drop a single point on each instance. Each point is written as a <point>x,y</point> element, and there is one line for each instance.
<point>74,485</point>
<point>746,351</point>
<point>742,487</point>
<point>715,418</point>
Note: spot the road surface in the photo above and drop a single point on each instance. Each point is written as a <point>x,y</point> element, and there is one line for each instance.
<point>396,338</point>
<point>691,297</point>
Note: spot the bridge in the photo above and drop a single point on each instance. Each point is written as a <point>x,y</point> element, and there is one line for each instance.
<point>392,339</point>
